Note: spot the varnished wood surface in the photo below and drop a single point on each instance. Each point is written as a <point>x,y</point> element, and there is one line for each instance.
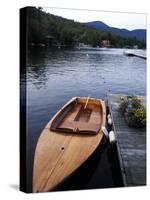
<point>57,155</point>
<point>81,115</point>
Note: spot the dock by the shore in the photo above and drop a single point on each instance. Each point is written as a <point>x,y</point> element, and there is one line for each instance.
<point>131,145</point>
<point>135,53</point>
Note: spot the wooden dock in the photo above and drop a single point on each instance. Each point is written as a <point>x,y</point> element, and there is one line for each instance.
<point>131,145</point>
<point>136,54</point>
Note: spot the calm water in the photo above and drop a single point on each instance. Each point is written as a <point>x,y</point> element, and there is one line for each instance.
<point>55,76</point>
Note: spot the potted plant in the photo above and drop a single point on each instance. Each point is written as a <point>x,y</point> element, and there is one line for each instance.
<point>133,112</point>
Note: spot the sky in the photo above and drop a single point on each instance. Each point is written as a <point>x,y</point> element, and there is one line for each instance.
<point>128,21</point>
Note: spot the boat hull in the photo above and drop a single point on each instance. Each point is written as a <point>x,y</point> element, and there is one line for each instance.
<point>58,155</point>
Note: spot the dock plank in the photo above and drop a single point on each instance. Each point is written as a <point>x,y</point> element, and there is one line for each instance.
<point>131,144</point>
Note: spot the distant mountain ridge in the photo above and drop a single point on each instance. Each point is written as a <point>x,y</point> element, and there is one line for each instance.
<point>55,31</point>
<point>140,34</point>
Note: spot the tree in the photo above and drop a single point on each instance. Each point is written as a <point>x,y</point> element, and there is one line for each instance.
<point>42,24</point>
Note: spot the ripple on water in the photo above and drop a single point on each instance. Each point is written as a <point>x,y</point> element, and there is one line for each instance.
<point>56,76</point>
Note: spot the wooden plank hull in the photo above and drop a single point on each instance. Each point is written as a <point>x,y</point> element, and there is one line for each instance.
<point>57,155</point>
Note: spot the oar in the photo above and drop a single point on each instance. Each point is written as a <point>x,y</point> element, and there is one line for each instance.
<point>86,102</point>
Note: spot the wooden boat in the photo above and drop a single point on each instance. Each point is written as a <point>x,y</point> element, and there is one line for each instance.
<point>68,139</point>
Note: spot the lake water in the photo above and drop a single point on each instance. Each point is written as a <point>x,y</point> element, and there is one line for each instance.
<point>55,76</point>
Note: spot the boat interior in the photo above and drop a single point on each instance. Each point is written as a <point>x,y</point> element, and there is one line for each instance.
<point>83,115</point>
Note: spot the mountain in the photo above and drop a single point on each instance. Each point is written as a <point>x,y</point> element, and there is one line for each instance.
<point>140,34</point>
<point>52,30</point>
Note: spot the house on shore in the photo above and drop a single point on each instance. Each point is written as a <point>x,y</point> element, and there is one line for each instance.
<point>105,44</point>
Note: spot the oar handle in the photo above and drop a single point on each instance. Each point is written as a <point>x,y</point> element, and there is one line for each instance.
<point>86,103</point>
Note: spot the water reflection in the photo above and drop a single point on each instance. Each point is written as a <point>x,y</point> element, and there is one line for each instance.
<point>55,76</point>
<point>104,70</point>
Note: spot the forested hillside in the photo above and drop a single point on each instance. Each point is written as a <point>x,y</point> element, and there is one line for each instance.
<point>44,27</point>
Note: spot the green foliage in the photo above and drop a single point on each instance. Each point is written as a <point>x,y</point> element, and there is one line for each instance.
<point>133,111</point>
<point>140,113</point>
<point>68,32</point>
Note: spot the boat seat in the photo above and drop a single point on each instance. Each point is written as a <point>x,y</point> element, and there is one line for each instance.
<point>70,112</point>
<point>73,112</point>
<point>81,126</point>
<point>78,119</point>
<point>95,116</point>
